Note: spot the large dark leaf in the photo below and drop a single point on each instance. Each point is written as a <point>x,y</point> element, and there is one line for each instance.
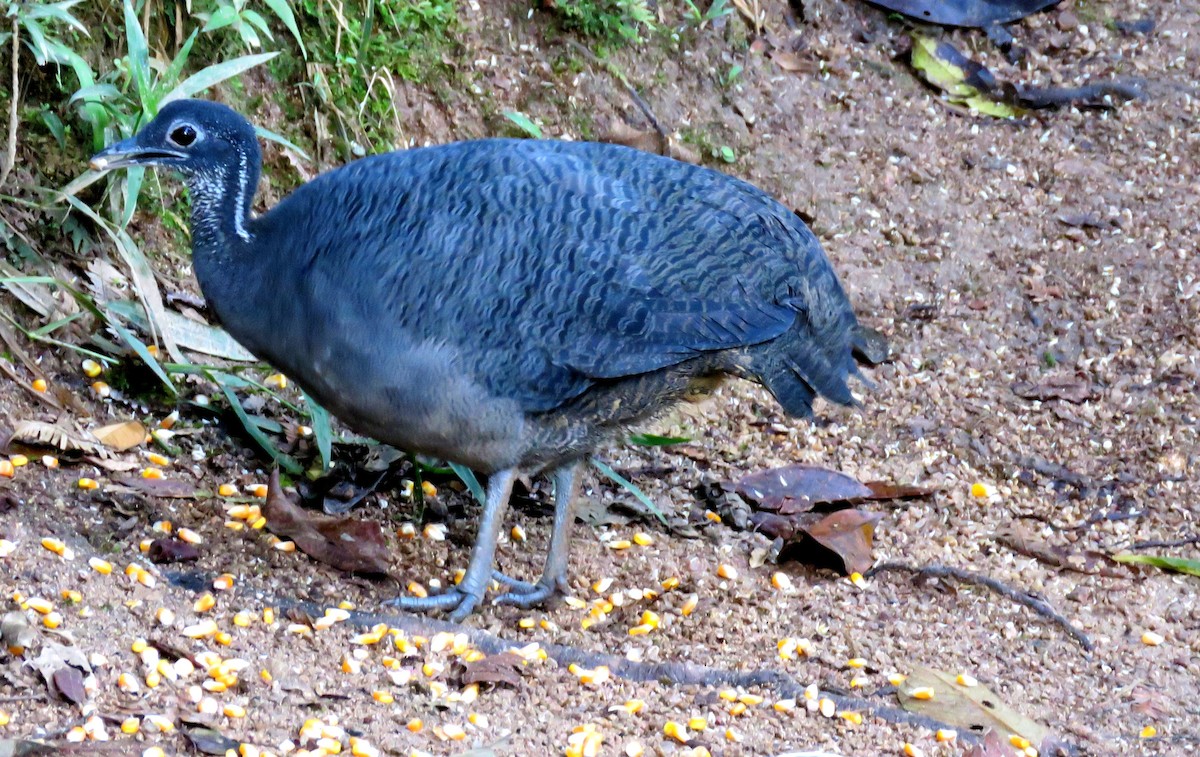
<point>796,488</point>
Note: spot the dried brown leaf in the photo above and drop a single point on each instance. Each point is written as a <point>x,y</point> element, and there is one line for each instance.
<point>121,436</point>
<point>348,544</point>
<point>42,434</point>
<point>171,550</point>
<point>974,709</point>
<point>1068,387</point>
<point>68,682</point>
<point>848,534</point>
<point>1090,562</point>
<point>796,488</point>
<point>170,488</point>
<point>890,490</point>
<point>500,668</point>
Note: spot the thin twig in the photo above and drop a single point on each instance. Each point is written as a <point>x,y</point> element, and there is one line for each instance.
<point>23,698</point>
<point>664,140</point>
<point>1038,605</point>
<point>1156,544</point>
<point>10,157</point>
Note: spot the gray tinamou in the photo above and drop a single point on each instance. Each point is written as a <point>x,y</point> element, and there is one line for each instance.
<point>505,304</point>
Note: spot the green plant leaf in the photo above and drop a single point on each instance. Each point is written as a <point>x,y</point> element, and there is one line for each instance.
<point>94,93</point>
<point>285,461</point>
<point>630,487</point>
<point>283,11</point>
<point>1177,564</point>
<point>322,430</point>
<point>215,74</point>
<point>281,140</point>
<point>524,123</point>
<point>139,56</point>
<point>255,18</point>
<point>175,70</point>
<point>468,477</point>
<point>223,16</point>
<point>133,187</point>
<point>140,348</point>
<point>651,440</point>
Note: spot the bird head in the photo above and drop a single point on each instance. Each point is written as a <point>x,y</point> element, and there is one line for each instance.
<point>192,136</point>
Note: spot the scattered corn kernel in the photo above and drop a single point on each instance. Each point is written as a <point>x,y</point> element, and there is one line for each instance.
<point>87,484</point>
<point>50,461</point>
<point>257,490</point>
<point>784,705</point>
<point>670,583</point>
<point>854,718</point>
<point>383,697</point>
<point>37,604</point>
<point>857,579</point>
<point>227,490</point>
<point>620,544</point>
<point>689,605</point>
<point>1148,732</point>
<point>189,536</point>
<point>6,469</point>
<point>981,490</point>
<point>276,381</point>
<point>675,731</point>
<point>200,630</point>
<point>697,724</point>
<point>1019,741</point>
<point>856,662</point>
<point>827,707</point>
<point>157,459</point>
<point>57,546</point>
<point>643,539</point>
<point>945,734</point>
<point>738,708</point>
<point>922,692</point>
<point>130,726</point>
<point>268,615</point>
<point>91,368</point>
<point>101,389</point>
<point>857,682</point>
<point>414,725</point>
<point>258,523</point>
<point>518,533</point>
<point>52,620</point>
<point>725,570</point>
<point>165,616</point>
<point>285,546</point>
<point>223,582</point>
<point>634,749</point>
<point>7,547</point>
<point>896,679</point>
<point>1152,639</point>
<point>153,679</point>
<point>39,385</point>
<point>913,751</point>
<point>434,531</point>
<point>152,473</point>
<point>205,603</point>
<point>19,461</point>
<point>967,680</point>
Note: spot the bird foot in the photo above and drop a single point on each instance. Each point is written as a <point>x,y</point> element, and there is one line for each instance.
<point>527,596</point>
<point>460,603</point>
<point>515,584</point>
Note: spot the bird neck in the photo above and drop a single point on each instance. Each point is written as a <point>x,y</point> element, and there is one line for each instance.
<point>221,200</point>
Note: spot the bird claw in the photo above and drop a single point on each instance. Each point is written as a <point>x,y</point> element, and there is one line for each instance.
<point>529,596</point>
<point>515,584</point>
<point>459,603</point>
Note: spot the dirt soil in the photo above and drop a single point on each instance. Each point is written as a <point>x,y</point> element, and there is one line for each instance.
<point>1060,252</point>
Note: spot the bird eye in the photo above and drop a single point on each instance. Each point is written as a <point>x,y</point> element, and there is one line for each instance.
<point>183,135</point>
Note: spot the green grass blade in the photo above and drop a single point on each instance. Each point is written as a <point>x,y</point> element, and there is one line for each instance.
<point>1177,564</point>
<point>524,123</point>
<point>631,487</point>
<point>283,11</point>
<point>653,440</point>
<point>279,139</point>
<point>285,461</point>
<point>322,430</point>
<point>139,54</point>
<point>133,187</point>
<point>215,74</point>
<point>140,348</point>
<point>468,477</point>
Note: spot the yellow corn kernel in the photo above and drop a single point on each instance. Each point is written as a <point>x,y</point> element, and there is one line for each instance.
<point>856,662</point>
<point>967,680</point>
<point>697,724</point>
<point>152,473</point>
<point>153,679</point>
<point>243,619</point>
<point>620,544</point>
<point>224,638</point>
<point>165,616</point>
<point>689,605</point>
<point>634,749</point>
<point>223,582</point>
<point>304,431</point>
<point>1148,732</point>
<point>857,682</point>
<point>101,389</point>
<point>911,750</point>
<point>205,603</point>
<point>750,699</point>
<point>640,630</point>
<point>526,623</point>
<point>784,705</point>
<point>643,539</point>
<point>127,683</point>
<point>518,533</point>
<point>130,726</point>
<point>227,490</point>
<point>157,459</point>
<point>428,489</point>
<point>827,707</point>
<point>52,620</point>
<point>57,546</point>
<point>896,679</point>
<point>200,630</point>
<point>383,697</point>
<point>712,516</point>
<point>414,725</point>
<point>854,718</point>
<point>7,547</point>
<point>91,368</point>
<point>189,536</point>
<point>268,615</point>
<point>39,385</point>
<point>857,579</point>
<point>6,469</point>
<point>259,523</point>
<point>729,695</point>
<point>417,589</point>
<point>19,461</point>
<point>922,692</point>
<point>945,734</point>
<point>1152,639</point>
<point>37,604</point>
<point>1020,742</point>
<point>87,484</point>
<point>738,708</point>
<point>103,567</point>
<point>675,731</point>
<point>670,583</point>
<point>276,381</point>
<point>781,581</point>
<point>725,570</point>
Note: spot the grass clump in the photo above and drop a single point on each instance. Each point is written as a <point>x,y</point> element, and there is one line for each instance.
<point>606,21</point>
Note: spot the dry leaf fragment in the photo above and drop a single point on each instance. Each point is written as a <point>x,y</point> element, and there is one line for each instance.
<point>170,488</point>
<point>42,434</point>
<point>121,436</point>
<point>1073,387</point>
<point>348,544</point>
<point>498,668</point>
<point>848,534</point>
<point>796,488</point>
<point>974,709</point>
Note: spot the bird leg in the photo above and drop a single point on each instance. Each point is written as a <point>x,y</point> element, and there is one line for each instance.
<point>462,599</point>
<point>554,577</point>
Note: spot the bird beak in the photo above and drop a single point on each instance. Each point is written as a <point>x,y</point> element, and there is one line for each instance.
<point>128,152</point>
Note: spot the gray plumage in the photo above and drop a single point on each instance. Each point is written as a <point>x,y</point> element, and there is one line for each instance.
<point>506,304</point>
